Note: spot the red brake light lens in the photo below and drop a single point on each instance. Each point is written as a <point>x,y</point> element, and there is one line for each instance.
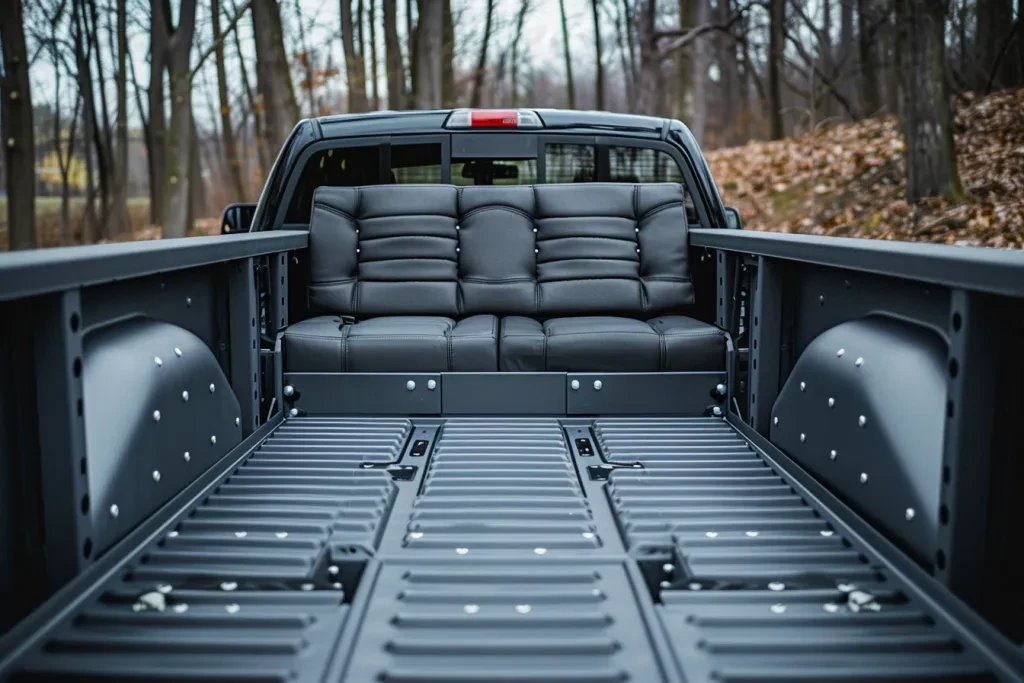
<point>494,118</point>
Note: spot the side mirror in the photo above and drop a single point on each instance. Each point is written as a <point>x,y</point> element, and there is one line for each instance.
<point>237,218</point>
<point>732,218</point>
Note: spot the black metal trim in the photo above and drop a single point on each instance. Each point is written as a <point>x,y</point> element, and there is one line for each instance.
<point>995,271</point>
<point>90,582</point>
<point>42,271</point>
<point>1002,655</point>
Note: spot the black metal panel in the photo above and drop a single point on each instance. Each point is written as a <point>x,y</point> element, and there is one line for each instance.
<point>244,335</point>
<point>503,621</point>
<point>517,145</point>
<point>995,271</point>
<point>68,544</point>
<point>503,393</point>
<point>355,393</point>
<point>765,343</point>
<point>662,393</point>
<point>158,413</point>
<point>863,410</point>
<point>39,271</point>
<point>278,293</point>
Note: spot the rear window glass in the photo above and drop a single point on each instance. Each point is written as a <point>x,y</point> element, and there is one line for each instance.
<point>343,167</point>
<point>567,163</point>
<point>639,165</point>
<point>416,163</point>
<point>494,171</point>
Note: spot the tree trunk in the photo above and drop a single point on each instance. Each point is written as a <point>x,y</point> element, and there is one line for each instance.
<point>649,87</point>
<point>393,57</point>
<point>828,65</point>
<point>598,57</point>
<point>16,110</point>
<point>160,32</point>
<point>568,57</point>
<point>524,7</point>
<point>846,53</point>
<point>728,75</point>
<point>227,132</point>
<point>449,96</point>
<point>410,32</point>
<point>306,58</point>
<point>374,77</point>
<point>273,76</point>
<point>870,15</point>
<point>120,201</point>
<point>481,63</point>
<point>90,230</point>
<point>924,91</point>
<point>178,146</point>
<point>262,157</point>
<point>622,26</point>
<point>777,40</point>
<point>692,70</point>
<point>355,71</point>
<point>429,31</point>
<point>995,24</point>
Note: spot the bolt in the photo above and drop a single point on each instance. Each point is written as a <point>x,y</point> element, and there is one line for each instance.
<point>410,385</point>
<point>803,386</point>
<point>177,352</point>
<point>281,534</point>
<point>831,607</point>
<point>863,477</point>
<point>114,511</point>
<point>158,361</point>
<point>232,608</point>
<point>289,390</point>
<point>238,421</point>
<point>173,534</point>
<point>859,362</point>
<point>156,475</point>
<point>213,439</point>
<point>778,608</point>
<point>862,420</point>
<point>775,421</point>
<point>588,535</point>
<point>188,301</point>
<point>832,455</point>
<point>752,534</point>
<point>694,586</point>
<point>711,534</point>
<point>184,396</point>
<point>721,389</point>
<point>840,353</point>
<point>180,608</point>
<point>228,585</point>
<point>461,551</point>
<point>597,385</point>
<point>293,412</point>
<point>821,299</point>
<point>156,416</point>
<point>212,388</point>
<point>831,402</point>
<point>333,570</point>
<point>909,514</point>
<point>776,586</point>
<point>241,534</point>
<point>575,384</point>
<point>803,437</point>
<point>471,609</point>
<point>826,533</point>
<point>665,584</point>
<point>431,384</point>
<point>415,535</point>
<point>540,551</point>
<point>523,609</point>
<point>188,457</point>
<point>668,567</point>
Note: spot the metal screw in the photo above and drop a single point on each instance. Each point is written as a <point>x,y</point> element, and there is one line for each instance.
<point>471,609</point>
<point>289,390</point>
<point>776,586</point>
<point>721,389</point>
<point>778,608</point>
<point>831,607</point>
<point>803,386</point>
<point>158,361</point>
<point>909,514</point>
<point>821,299</point>
<point>293,412</point>
<point>156,475</point>
<point>711,534</point>
<point>173,534</point>
<point>840,352</point>
<point>752,534</point>
<point>575,384</point>
<point>826,533</point>
<point>863,477</point>
<point>540,551</point>
<point>457,249</point>
<point>188,457</point>
<point>431,384</point>
<point>461,551</point>
<point>188,301</point>
<point>665,584</point>
<point>597,385</point>
<point>212,388</point>
<point>228,585</point>
<point>588,535</point>
<point>668,567</point>
<point>184,396</point>
<point>775,421</point>
<point>717,411</point>
<point>238,421</point>
<point>156,416</point>
<point>803,437</point>
<point>859,362</point>
<point>232,608</point>
<point>180,608</point>
<point>523,609</point>
<point>281,534</point>
<point>832,455</point>
<point>694,586</point>
<point>410,385</point>
<point>241,534</point>
<point>862,420</point>
<point>831,402</point>
<point>177,352</point>
<point>213,439</point>
<point>416,535</point>
<point>114,511</point>
<point>333,570</point>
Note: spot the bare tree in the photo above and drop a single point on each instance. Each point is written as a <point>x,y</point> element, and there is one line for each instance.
<point>924,94</point>
<point>996,29</point>
<point>374,78</point>
<point>598,56</point>
<point>19,152</point>
<point>159,36</point>
<point>568,58</point>
<point>776,43</point>
<point>305,57</point>
<point>258,123</point>
<point>273,76</point>
<point>871,15</point>
<point>524,9</point>
<point>91,229</point>
<point>393,57</point>
<point>102,138</point>
<point>449,96</point>
<point>355,69</point>
<point>234,163</point>
<point>481,63</point>
<point>120,198</point>
<point>429,29</point>
<point>648,90</point>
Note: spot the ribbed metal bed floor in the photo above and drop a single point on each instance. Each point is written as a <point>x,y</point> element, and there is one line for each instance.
<point>503,550</point>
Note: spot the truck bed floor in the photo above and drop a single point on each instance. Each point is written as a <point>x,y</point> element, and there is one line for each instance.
<point>503,550</point>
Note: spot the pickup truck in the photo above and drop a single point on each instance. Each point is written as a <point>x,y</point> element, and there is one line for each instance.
<point>509,396</point>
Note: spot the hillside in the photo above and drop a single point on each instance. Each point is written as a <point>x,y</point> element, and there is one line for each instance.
<point>849,180</point>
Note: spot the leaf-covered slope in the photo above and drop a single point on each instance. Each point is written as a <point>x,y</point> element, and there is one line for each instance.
<point>850,180</point>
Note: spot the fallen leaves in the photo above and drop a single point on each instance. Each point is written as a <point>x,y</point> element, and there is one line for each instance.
<point>850,180</point>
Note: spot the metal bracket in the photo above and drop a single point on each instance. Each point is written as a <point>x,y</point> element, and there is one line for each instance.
<point>603,471</point>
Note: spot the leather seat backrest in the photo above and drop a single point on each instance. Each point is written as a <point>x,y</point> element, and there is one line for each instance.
<point>540,250</point>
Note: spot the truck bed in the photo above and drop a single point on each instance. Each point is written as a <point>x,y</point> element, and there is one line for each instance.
<point>503,549</point>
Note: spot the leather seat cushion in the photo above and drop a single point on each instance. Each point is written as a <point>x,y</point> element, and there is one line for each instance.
<point>393,344</point>
<point>608,344</point>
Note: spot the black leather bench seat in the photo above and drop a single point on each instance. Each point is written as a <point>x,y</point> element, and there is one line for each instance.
<point>562,278</point>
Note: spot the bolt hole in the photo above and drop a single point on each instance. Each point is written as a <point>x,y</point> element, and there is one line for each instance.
<point>720,301</point>
<point>78,407</point>
<point>944,515</point>
<point>949,409</point>
<point>82,465</point>
<point>85,503</point>
<point>753,398</point>
<point>87,548</point>
<point>957,322</point>
<point>755,364</point>
<point>254,322</point>
<point>720,281</point>
<point>75,322</point>
<point>755,320</point>
<point>940,559</point>
<point>282,279</point>
<point>720,258</point>
<point>945,475</point>
<point>954,367</point>
<point>76,367</point>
